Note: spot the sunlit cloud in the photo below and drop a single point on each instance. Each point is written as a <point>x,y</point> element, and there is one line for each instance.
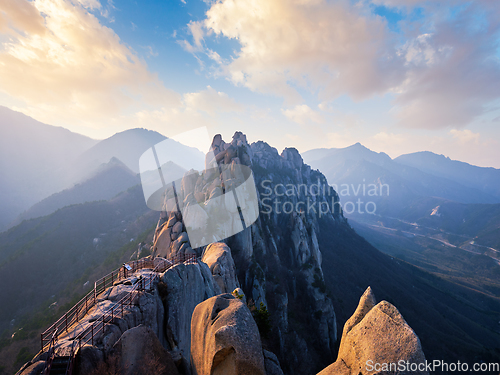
<point>211,101</point>
<point>443,77</point>
<point>67,67</point>
<point>317,45</point>
<point>303,115</point>
<point>465,136</point>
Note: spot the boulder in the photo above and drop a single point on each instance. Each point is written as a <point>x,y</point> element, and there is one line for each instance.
<point>162,243</point>
<point>176,230</point>
<point>186,285</point>
<point>366,303</point>
<point>195,217</point>
<point>189,181</point>
<point>33,369</point>
<point>138,351</point>
<point>218,258</point>
<point>171,220</point>
<point>271,363</point>
<point>378,334</point>
<point>88,358</point>
<point>225,338</point>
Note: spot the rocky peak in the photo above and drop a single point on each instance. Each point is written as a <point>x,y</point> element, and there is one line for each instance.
<point>292,156</point>
<point>376,334</point>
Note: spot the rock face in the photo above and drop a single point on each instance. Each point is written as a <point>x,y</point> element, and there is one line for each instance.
<point>138,352</point>
<point>225,340</point>
<point>278,259</point>
<point>183,287</point>
<point>376,334</point>
<point>33,369</point>
<point>218,258</point>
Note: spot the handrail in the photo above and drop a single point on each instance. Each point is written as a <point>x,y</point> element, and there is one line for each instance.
<point>51,353</point>
<point>81,308</point>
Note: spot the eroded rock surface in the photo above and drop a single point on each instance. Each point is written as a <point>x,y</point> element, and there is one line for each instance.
<point>186,285</point>
<point>225,338</point>
<point>376,334</point>
<point>218,258</point>
<point>139,352</point>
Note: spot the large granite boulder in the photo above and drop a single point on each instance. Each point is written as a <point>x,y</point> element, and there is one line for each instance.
<point>272,363</point>
<point>184,286</point>
<point>375,340</point>
<point>218,258</point>
<point>138,352</point>
<point>32,369</point>
<point>225,338</point>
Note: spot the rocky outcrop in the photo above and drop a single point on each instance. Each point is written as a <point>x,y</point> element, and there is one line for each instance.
<point>225,339</point>
<point>376,334</point>
<point>218,258</point>
<point>138,352</point>
<point>366,303</point>
<point>35,368</point>
<point>279,261</point>
<point>183,287</point>
<point>271,363</point>
<point>171,239</point>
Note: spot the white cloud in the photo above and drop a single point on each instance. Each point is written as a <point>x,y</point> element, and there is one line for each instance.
<point>443,69</point>
<point>341,140</point>
<point>89,4</point>
<point>68,68</point>
<point>465,136</point>
<point>315,45</point>
<point>303,115</point>
<point>211,101</point>
<point>389,138</point>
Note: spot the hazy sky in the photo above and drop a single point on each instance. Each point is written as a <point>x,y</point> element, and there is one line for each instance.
<point>396,75</point>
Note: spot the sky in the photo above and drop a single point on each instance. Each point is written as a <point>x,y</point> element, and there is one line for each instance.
<point>399,76</point>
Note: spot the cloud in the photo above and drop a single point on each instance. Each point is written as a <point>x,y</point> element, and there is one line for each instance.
<point>20,15</point>
<point>211,101</point>
<point>454,74</point>
<point>465,136</point>
<point>312,45</point>
<point>90,4</point>
<point>68,68</point>
<point>303,115</point>
<point>442,68</point>
<point>389,138</point>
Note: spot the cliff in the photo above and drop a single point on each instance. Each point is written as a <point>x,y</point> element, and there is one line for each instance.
<point>253,303</point>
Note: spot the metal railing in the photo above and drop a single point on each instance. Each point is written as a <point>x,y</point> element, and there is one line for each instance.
<point>50,353</point>
<point>81,308</point>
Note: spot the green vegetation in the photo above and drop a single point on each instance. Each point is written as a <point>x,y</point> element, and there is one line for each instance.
<point>262,318</point>
<point>64,263</point>
<point>23,356</point>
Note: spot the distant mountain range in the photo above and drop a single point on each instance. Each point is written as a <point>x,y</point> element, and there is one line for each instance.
<point>108,180</point>
<point>357,165</point>
<point>49,258</point>
<point>486,180</point>
<point>440,214</point>
<point>39,160</point>
<point>31,156</point>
